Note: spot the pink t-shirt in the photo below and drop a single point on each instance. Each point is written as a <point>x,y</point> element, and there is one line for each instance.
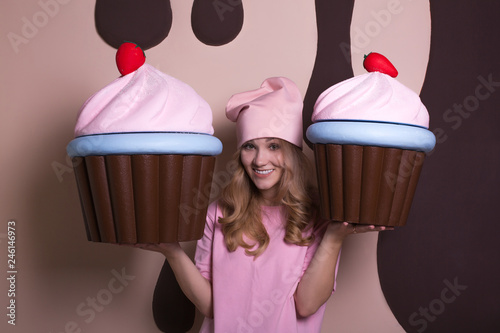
<point>250,294</point>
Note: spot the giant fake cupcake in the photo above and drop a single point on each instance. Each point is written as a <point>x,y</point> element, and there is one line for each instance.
<point>143,156</point>
<point>370,136</point>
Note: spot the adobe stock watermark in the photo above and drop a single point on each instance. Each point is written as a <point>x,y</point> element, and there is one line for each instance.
<point>202,196</point>
<point>363,36</point>
<point>260,310</point>
<point>87,310</point>
<point>120,105</point>
<point>222,7</point>
<point>32,24</point>
<point>408,163</point>
<point>281,119</point>
<point>265,308</point>
<point>456,114</point>
<point>430,313</point>
<point>67,167</point>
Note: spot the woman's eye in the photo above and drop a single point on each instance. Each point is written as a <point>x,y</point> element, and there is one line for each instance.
<point>248,146</point>
<point>274,146</point>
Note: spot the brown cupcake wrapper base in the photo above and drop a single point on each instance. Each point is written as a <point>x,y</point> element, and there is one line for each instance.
<point>144,199</point>
<point>366,184</point>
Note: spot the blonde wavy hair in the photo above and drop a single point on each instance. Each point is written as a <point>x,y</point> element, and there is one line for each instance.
<point>240,204</point>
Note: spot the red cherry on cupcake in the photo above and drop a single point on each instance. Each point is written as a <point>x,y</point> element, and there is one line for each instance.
<point>375,62</point>
<point>129,58</point>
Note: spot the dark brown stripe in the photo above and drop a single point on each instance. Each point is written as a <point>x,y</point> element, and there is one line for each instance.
<point>401,189</point>
<point>203,197</point>
<point>96,169</point>
<point>170,189</point>
<point>119,171</point>
<point>322,176</point>
<point>412,186</point>
<point>352,164</point>
<point>335,182</point>
<point>145,170</point>
<point>88,210</point>
<point>373,158</point>
<point>392,158</point>
<point>190,183</point>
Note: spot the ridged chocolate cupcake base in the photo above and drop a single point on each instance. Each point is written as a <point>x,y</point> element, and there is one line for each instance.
<point>366,184</point>
<point>144,199</point>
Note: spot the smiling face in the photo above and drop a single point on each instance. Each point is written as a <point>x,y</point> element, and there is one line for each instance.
<point>264,164</point>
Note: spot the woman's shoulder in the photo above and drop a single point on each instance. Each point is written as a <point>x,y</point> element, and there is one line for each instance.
<point>213,204</point>
<point>212,215</point>
<point>214,209</point>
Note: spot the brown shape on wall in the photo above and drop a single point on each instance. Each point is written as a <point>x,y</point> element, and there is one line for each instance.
<point>216,22</point>
<point>144,22</point>
<point>333,57</point>
<point>173,312</point>
<point>440,272</point>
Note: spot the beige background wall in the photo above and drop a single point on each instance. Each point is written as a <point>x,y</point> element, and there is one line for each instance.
<point>52,60</point>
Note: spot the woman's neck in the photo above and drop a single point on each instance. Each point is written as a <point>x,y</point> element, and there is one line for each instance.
<point>269,202</point>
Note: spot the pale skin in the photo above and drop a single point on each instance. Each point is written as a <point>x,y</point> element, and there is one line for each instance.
<point>263,161</point>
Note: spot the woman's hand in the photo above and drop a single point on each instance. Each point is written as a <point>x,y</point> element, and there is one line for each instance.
<point>338,231</point>
<point>317,283</point>
<point>193,284</point>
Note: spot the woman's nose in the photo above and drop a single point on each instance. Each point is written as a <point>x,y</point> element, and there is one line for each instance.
<point>260,158</point>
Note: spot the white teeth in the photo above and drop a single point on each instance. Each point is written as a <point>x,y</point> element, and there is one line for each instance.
<point>263,172</point>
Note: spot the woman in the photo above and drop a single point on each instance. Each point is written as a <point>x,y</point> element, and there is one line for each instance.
<point>266,263</point>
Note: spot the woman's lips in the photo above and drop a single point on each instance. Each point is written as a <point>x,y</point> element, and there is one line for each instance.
<point>263,173</point>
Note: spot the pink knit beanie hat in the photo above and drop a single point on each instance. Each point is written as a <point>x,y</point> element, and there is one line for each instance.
<point>274,110</point>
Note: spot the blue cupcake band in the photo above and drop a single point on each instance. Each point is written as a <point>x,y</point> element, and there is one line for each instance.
<point>145,143</point>
<point>372,134</point>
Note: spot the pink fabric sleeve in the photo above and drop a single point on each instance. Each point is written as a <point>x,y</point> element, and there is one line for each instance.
<point>203,254</point>
<point>311,251</point>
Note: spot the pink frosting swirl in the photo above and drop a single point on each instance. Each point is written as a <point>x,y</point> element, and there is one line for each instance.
<point>371,97</point>
<point>146,100</point>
